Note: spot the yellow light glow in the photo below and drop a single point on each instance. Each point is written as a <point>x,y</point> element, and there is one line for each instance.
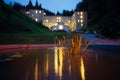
<point>36,11</point>
<point>36,19</point>
<point>81,13</point>
<point>78,20</point>
<point>60,27</point>
<point>78,13</point>
<point>55,24</point>
<point>69,21</point>
<point>81,20</point>
<point>47,66</point>
<point>81,16</point>
<point>56,61</point>
<point>82,69</point>
<point>36,69</point>
<point>47,20</point>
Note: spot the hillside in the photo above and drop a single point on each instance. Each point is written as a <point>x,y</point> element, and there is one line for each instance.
<point>12,21</point>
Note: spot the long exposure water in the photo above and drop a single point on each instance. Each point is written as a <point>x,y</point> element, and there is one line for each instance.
<point>97,63</point>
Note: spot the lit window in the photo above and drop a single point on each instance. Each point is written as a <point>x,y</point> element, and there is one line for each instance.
<point>59,18</point>
<point>36,11</point>
<point>27,12</point>
<point>46,20</point>
<point>44,13</point>
<point>81,25</point>
<point>55,24</point>
<point>39,11</point>
<point>81,21</point>
<point>81,16</point>
<point>36,19</point>
<point>60,27</point>
<point>78,20</point>
<point>78,13</point>
<point>69,21</point>
<point>81,13</point>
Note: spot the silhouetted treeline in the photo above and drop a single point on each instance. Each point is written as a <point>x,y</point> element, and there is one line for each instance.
<point>103,16</point>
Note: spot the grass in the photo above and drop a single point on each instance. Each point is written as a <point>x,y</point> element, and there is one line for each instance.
<point>30,38</point>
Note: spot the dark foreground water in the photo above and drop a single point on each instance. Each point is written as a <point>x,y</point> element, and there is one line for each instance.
<point>97,63</point>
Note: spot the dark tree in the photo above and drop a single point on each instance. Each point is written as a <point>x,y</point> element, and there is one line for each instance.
<point>58,13</point>
<point>30,5</point>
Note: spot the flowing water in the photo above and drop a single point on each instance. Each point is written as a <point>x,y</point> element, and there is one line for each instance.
<point>97,63</point>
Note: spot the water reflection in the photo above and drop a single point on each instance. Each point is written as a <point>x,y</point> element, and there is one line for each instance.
<point>57,65</point>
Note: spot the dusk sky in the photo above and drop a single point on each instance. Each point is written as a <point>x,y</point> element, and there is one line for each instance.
<point>52,5</point>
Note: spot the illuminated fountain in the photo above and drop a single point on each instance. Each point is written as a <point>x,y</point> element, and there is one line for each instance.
<point>75,44</point>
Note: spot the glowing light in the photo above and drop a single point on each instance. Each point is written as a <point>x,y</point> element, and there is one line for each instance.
<point>81,16</point>
<point>47,20</point>
<point>82,69</point>
<point>27,12</point>
<point>36,19</point>
<point>36,69</point>
<point>44,13</point>
<point>78,13</point>
<point>78,20</point>
<point>60,27</point>
<point>81,20</point>
<point>56,61</point>
<point>69,21</point>
<point>81,13</point>
<point>81,24</point>
<point>47,66</point>
<point>55,24</point>
<point>39,11</point>
<point>36,11</point>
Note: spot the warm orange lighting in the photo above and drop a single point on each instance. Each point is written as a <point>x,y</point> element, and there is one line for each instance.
<point>36,69</point>
<point>81,13</point>
<point>81,16</point>
<point>69,21</point>
<point>82,69</point>
<point>47,20</point>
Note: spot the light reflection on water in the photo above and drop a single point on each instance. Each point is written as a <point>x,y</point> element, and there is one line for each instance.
<point>54,64</point>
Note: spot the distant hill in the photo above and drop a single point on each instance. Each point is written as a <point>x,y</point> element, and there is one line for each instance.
<point>12,21</point>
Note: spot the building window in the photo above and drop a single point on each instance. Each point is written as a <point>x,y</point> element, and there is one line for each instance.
<point>81,16</point>
<point>69,21</point>
<point>61,27</point>
<point>36,19</point>
<point>81,25</point>
<point>47,20</point>
<point>36,11</point>
<point>78,20</point>
<point>81,20</point>
<point>78,13</point>
<point>59,19</point>
<point>44,13</point>
<point>55,24</point>
<point>81,13</point>
<point>40,11</point>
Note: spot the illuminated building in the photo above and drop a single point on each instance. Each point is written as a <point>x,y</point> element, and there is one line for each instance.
<point>69,23</point>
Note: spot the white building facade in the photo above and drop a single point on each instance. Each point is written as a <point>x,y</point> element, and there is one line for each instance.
<point>68,23</point>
